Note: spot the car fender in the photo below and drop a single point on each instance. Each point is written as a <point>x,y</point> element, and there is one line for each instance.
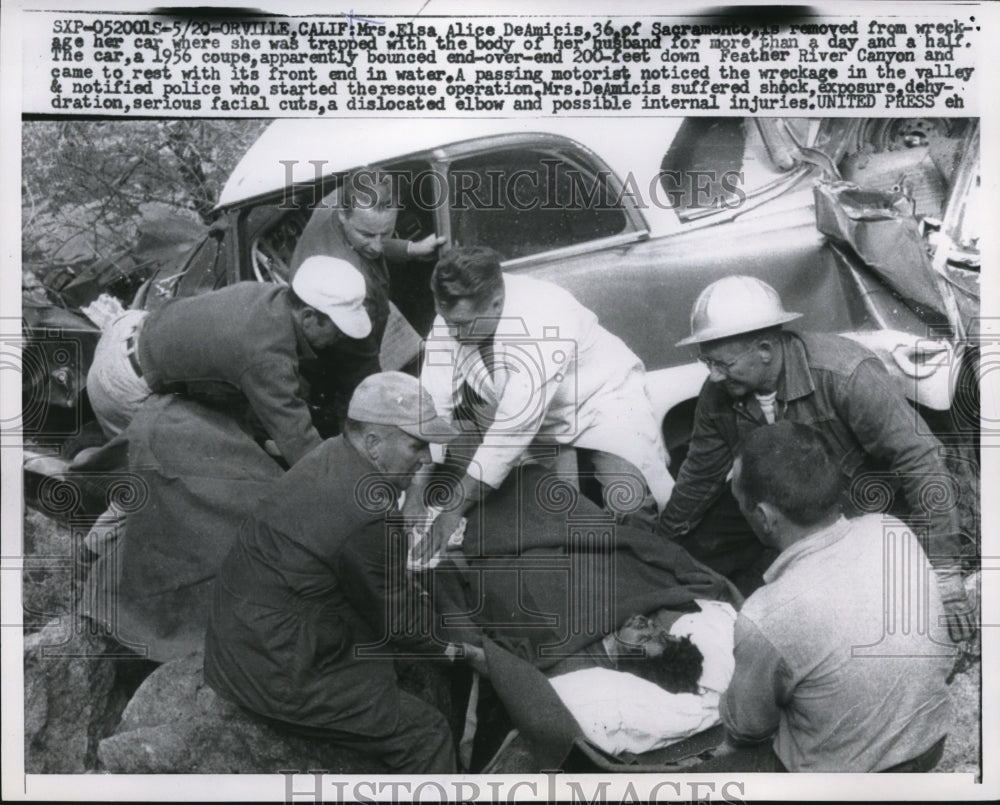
<point>669,390</point>
<point>925,369</point>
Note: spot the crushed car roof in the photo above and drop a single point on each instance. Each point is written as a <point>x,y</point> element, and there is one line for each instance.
<point>287,149</point>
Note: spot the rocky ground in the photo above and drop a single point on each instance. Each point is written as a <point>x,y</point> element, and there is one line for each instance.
<point>88,709</point>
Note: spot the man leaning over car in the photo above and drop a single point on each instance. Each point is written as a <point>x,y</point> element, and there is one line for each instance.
<point>759,374</point>
<point>355,223</point>
<point>238,345</point>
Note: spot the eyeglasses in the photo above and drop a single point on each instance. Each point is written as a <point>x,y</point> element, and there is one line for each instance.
<point>725,366</point>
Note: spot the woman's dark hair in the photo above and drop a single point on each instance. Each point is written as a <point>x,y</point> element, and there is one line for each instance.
<point>677,669</point>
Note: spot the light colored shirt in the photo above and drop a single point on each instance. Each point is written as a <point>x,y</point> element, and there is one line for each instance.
<point>839,655</point>
<point>558,377</point>
<point>767,405</point>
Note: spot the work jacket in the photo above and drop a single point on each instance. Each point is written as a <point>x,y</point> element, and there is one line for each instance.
<point>842,389</point>
<point>238,343</point>
<point>313,600</point>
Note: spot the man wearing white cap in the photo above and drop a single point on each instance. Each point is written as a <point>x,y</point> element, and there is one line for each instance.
<point>242,344</point>
<point>760,374</point>
<point>313,600</point>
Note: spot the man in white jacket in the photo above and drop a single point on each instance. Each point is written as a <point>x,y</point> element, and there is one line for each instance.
<point>541,374</point>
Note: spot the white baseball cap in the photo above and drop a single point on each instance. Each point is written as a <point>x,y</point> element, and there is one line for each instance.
<point>336,288</point>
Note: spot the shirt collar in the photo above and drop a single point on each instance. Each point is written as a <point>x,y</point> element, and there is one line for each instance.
<point>796,380</point>
<point>816,541</point>
<point>302,345</point>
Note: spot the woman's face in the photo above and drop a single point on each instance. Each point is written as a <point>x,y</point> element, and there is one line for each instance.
<point>642,632</point>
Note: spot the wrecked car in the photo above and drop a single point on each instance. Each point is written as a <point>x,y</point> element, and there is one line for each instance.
<point>867,227</point>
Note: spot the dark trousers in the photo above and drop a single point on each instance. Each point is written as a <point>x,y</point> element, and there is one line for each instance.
<point>724,541</point>
<point>420,744</point>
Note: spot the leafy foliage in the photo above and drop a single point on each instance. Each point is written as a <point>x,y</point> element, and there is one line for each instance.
<point>87,186</point>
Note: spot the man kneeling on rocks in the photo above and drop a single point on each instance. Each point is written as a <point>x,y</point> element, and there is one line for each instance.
<point>841,664</point>
<point>312,600</point>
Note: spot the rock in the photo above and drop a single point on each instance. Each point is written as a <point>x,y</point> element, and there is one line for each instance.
<point>175,723</point>
<point>74,694</point>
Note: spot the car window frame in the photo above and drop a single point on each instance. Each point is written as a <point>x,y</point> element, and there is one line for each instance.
<point>637,226</point>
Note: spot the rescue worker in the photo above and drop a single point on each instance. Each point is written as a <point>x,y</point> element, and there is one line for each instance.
<point>243,344</point>
<point>546,373</point>
<point>314,596</point>
<point>761,373</point>
<point>356,223</point>
<point>837,667</point>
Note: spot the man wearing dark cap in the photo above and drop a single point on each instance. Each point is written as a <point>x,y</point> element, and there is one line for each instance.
<point>313,599</point>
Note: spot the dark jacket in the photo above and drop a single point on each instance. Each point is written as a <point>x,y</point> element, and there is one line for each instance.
<point>316,574</point>
<point>240,342</point>
<point>843,390</point>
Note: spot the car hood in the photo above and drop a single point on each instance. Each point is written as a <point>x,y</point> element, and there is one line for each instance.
<point>285,152</point>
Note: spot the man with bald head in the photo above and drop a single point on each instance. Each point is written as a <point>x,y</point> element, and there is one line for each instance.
<point>356,223</point>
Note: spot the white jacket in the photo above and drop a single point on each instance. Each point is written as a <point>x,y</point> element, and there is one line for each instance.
<point>560,378</point>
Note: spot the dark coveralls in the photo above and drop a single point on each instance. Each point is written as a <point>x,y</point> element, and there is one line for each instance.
<point>842,389</point>
<point>315,575</point>
<point>355,358</point>
<point>240,344</point>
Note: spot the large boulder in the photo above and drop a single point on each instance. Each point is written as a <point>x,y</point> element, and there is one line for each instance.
<point>175,723</point>
<point>76,685</point>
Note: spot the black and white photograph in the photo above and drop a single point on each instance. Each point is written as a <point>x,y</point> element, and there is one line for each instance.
<point>429,402</point>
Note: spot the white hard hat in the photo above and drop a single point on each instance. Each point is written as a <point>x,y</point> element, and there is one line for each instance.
<point>336,288</point>
<point>735,305</point>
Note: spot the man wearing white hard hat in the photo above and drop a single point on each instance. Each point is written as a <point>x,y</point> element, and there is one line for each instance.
<point>760,373</point>
<point>239,345</point>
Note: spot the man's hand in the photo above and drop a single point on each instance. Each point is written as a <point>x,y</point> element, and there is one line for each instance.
<point>425,247</point>
<point>960,614</point>
<point>476,658</point>
<point>445,524</point>
<point>414,509</point>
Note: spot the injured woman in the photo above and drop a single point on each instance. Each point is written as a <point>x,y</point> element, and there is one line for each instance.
<point>613,632</point>
<point>654,682</point>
